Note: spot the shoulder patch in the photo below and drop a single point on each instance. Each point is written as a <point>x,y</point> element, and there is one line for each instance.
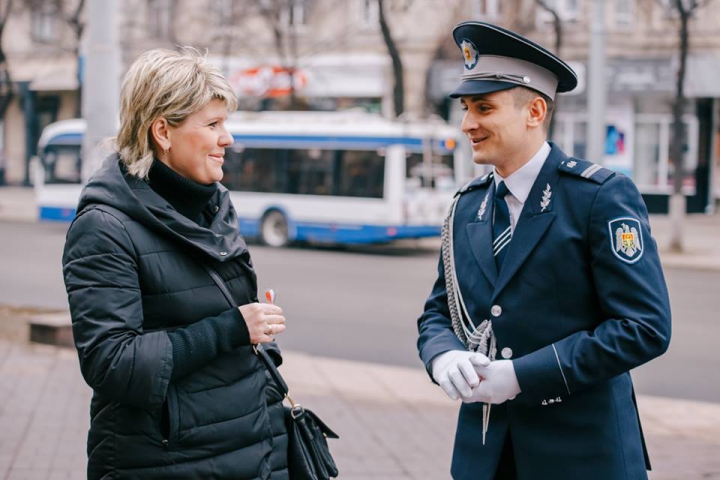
<point>584,169</point>
<point>476,183</point>
<point>626,240</point>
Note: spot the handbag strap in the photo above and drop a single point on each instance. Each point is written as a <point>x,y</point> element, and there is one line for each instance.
<point>257,348</point>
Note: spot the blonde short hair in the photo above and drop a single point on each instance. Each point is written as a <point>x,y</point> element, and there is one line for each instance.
<point>168,84</point>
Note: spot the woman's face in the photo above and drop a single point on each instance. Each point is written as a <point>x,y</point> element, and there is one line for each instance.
<point>197,146</point>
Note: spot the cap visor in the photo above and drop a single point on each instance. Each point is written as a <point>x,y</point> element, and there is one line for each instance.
<point>480,87</point>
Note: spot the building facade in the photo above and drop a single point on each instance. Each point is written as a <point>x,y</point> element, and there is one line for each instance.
<point>641,49</point>
<point>331,54</point>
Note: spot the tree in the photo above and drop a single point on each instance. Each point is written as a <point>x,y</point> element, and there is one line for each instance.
<point>685,10</point>
<point>74,20</point>
<point>398,75</point>
<point>275,12</point>
<point>7,91</point>
<point>558,26</point>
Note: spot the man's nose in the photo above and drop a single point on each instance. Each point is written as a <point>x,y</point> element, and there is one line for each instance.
<point>468,123</point>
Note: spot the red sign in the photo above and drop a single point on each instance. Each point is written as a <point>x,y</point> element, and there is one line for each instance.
<point>268,81</point>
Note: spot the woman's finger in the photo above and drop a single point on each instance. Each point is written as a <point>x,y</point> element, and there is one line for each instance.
<point>274,319</point>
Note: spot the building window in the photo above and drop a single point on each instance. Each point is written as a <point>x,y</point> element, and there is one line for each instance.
<point>624,13</point>
<point>44,22</point>
<point>223,10</point>
<point>295,13</point>
<point>567,10</point>
<point>370,13</point>
<point>486,9</point>
<point>159,18</point>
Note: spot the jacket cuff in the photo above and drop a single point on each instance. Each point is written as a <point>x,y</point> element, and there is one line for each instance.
<point>541,377</point>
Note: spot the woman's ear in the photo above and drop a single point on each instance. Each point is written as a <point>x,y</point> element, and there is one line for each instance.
<point>160,131</point>
<point>537,109</point>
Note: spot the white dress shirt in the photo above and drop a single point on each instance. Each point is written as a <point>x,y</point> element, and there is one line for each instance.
<point>520,182</point>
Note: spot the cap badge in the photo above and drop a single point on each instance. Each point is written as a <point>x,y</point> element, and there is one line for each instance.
<point>470,53</point>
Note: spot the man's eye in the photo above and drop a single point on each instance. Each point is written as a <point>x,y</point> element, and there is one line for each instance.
<point>213,124</point>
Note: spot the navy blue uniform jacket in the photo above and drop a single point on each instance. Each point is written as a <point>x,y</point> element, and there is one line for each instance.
<point>580,300</point>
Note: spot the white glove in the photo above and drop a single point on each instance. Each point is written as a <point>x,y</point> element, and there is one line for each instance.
<point>499,383</point>
<point>455,371</point>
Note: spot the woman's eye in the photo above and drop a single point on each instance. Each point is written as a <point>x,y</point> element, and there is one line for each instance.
<point>213,124</point>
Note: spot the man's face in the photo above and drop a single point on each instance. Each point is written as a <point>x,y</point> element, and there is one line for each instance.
<point>495,126</point>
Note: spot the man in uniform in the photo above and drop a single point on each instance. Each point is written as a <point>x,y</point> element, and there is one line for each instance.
<point>550,288</point>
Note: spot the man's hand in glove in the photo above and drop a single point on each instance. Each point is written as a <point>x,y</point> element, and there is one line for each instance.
<point>455,372</point>
<point>498,383</point>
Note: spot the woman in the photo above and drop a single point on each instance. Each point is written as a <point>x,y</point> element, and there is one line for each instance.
<point>177,390</point>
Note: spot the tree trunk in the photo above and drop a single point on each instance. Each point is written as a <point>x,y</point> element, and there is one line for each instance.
<point>678,201</point>
<point>399,85</point>
<point>78,28</point>
<point>557,24</point>
<point>7,91</point>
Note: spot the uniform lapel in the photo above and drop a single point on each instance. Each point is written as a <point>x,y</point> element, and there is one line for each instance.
<point>534,219</point>
<point>480,236</point>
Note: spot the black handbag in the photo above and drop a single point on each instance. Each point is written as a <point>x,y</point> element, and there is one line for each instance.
<point>309,456</point>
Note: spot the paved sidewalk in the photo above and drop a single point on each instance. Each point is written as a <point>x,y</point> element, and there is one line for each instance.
<point>394,424</point>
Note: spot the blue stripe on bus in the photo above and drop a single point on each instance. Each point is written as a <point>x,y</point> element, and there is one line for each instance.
<point>66,139</point>
<point>311,232</point>
<point>56,214</point>
<point>346,234</point>
<point>415,144</point>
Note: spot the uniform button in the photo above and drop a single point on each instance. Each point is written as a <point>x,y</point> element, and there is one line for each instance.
<point>216,209</point>
<point>222,254</point>
<point>496,310</point>
<point>551,401</point>
<point>506,352</point>
<point>558,400</point>
<point>544,402</point>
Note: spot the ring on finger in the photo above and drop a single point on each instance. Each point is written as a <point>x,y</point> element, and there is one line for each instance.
<point>269,329</point>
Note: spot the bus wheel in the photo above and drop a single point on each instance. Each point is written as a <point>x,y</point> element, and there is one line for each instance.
<point>274,229</point>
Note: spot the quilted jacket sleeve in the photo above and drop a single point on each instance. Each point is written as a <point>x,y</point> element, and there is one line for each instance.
<point>117,359</point>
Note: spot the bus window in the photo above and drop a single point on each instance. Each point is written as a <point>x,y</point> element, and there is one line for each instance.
<point>360,174</point>
<point>346,173</point>
<point>62,164</point>
<point>252,170</point>
<point>309,172</point>
<point>438,174</point>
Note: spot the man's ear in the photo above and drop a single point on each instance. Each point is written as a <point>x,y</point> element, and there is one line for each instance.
<point>537,109</point>
<point>160,131</point>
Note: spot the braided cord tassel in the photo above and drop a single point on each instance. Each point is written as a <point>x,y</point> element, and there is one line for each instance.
<point>480,339</point>
<point>449,270</point>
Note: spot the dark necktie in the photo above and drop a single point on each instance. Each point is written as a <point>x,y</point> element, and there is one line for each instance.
<point>502,233</point>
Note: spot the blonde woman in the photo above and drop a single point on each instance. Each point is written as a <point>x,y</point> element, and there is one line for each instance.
<point>177,391</point>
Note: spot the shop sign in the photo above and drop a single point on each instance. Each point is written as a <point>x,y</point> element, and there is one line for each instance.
<point>268,81</point>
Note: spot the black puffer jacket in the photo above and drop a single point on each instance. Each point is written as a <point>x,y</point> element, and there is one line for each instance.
<point>133,270</point>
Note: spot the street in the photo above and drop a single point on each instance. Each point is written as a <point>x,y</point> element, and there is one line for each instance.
<point>362,303</point>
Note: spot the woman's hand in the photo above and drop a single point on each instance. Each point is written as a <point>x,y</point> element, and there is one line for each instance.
<point>263,320</point>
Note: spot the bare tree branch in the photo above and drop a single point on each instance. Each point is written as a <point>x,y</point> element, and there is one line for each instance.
<point>557,24</point>
<point>399,86</point>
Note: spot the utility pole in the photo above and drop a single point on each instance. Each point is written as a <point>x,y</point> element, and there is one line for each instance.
<point>597,90</point>
<point>101,91</point>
